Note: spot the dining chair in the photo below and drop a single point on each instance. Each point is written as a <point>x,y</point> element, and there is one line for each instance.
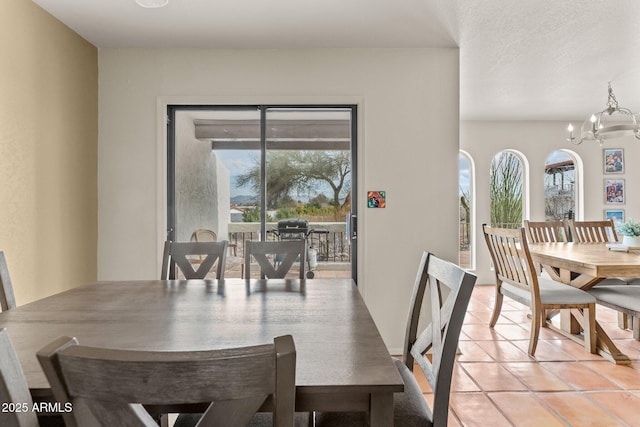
<point>516,278</point>
<point>112,387</point>
<point>592,231</point>
<point>603,232</point>
<point>7,299</point>
<point>14,389</point>
<point>275,258</point>
<point>546,231</point>
<point>180,256</point>
<point>233,260</point>
<point>448,288</point>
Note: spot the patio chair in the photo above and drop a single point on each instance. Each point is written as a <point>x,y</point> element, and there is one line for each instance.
<point>14,389</point>
<point>7,299</point>
<point>516,279</point>
<point>182,256</point>
<point>449,288</point>
<point>109,387</point>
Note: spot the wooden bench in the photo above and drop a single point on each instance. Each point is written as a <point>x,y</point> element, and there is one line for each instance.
<point>623,298</point>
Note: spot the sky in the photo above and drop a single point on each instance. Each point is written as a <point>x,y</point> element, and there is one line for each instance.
<point>239,162</point>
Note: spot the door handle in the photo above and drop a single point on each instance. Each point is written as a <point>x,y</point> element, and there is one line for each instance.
<point>353,227</point>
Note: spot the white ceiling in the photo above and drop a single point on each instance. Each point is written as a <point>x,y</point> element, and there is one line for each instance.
<point>519,59</point>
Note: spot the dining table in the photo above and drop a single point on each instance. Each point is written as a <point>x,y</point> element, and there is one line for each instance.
<point>584,265</point>
<point>342,362</point>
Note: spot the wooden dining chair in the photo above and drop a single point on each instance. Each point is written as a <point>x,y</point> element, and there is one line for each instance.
<point>448,288</point>
<point>184,256</point>
<point>275,258</point>
<point>602,232</point>
<point>592,231</point>
<point>546,231</point>
<point>109,387</point>
<point>232,261</point>
<point>7,299</point>
<point>14,389</point>
<point>516,278</point>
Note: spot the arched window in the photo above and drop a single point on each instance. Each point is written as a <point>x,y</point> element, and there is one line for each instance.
<point>559,186</point>
<point>467,210</point>
<point>507,189</point>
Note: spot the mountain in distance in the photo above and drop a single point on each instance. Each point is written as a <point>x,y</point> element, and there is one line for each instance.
<point>244,200</point>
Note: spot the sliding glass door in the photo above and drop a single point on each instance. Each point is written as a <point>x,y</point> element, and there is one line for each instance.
<point>243,171</point>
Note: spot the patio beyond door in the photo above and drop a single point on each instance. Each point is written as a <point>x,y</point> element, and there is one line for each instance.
<point>239,171</point>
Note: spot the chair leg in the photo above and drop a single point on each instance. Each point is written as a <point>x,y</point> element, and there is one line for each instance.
<point>496,308</point>
<point>636,328</point>
<point>589,328</point>
<point>536,319</point>
<point>623,320</point>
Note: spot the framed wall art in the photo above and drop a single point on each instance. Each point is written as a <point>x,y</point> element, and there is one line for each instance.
<point>614,191</point>
<point>376,199</point>
<point>617,215</point>
<point>613,160</point>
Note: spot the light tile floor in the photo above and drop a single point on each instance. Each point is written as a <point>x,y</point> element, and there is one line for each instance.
<point>496,383</point>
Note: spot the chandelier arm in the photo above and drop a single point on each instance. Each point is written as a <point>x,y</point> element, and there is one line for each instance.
<point>597,129</point>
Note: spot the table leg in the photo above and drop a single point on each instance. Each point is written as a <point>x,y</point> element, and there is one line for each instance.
<point>608,350</point>
<point>381,410</point>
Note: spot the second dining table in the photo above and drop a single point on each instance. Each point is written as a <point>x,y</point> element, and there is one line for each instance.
<point>584,265</point>
<point>342,361</point>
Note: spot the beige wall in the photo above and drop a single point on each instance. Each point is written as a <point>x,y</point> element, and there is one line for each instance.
<point>408,146</point>
<point>535,140</point>
<point>48,152</point>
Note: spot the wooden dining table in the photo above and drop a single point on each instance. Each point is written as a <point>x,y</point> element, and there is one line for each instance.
<point>342,361</point>
<point>584,265</point>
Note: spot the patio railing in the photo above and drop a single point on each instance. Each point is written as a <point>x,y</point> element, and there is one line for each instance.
<point>332,246</point>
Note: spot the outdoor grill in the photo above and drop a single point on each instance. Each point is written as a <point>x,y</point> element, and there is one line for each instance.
<point>298,229</point>
<point>292,229</point>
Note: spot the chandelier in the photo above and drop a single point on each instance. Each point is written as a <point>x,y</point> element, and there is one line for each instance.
<point>612,122</point>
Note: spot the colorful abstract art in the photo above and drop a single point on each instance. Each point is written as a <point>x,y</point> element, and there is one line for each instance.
<point>376,199</point>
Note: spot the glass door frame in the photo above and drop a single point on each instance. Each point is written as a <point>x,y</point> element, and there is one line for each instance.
<point>263,109</point>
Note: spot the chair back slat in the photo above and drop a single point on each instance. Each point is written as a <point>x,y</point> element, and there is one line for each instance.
<point>7,298</point>
<point>546,231</point>
<point>194,259</point>
<point>232,260</point>
<point>13,388</point>
<point>275,258</point>
<point>449,288</point>
<point>115,385</point>
<point>593,231</point>
<point>512,261</point>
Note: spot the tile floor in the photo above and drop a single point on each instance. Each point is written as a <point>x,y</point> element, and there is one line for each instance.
<point>495,382</point>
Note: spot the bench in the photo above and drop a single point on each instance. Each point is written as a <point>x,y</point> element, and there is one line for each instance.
<point>623,298</point>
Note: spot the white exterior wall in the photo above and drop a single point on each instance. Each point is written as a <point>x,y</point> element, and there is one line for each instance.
<point>535,140</point>
<point>202,184</point>
<point>408,112</point>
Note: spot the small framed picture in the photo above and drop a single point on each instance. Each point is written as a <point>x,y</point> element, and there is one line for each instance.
<point>614,191</point>
<point>376,199</point>
<point>613,160</point>
<point>617,215</point>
